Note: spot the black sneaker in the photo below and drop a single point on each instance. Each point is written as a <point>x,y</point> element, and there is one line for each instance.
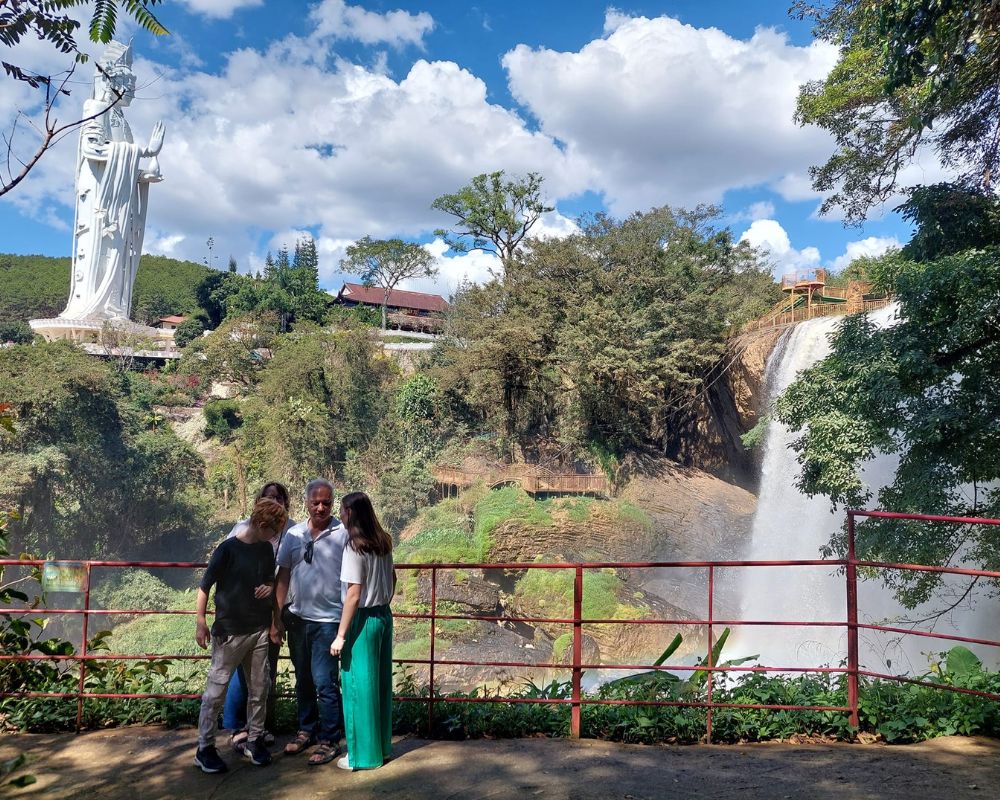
<point>207,760</point>
<point>258,754</point>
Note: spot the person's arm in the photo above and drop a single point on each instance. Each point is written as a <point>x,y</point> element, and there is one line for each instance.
<point>351,603</point>
<point>202,634</point>
<point>280,593</point>
<point>352,572</point>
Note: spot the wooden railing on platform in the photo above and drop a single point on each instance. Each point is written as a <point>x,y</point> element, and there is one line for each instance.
<point>534,480</point>
<point>780,319</point>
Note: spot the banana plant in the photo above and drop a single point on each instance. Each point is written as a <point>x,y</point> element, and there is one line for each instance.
<point>660,680</point>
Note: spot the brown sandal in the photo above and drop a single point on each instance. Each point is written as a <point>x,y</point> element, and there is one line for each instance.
<point>323,754</point>
<point>301,741</point>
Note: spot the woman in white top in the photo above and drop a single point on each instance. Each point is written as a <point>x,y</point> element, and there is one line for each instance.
<point>364,639</point>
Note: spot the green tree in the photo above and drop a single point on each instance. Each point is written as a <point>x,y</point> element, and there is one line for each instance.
<point>189,330</point>
<point>84,466</point>
<point>493,213</point>
<point>926,389</point>
<point>322,395</point>
<point>912,74</point>
<point>949,219</point>
<point>605,337</point>
<point>16,332</point>
<point>235,353</point>
<point>386,262</point>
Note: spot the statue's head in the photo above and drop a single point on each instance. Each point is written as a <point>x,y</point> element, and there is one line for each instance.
<point>114,75</point>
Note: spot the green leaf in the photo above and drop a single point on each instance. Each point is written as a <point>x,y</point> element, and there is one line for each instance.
<point>962,664</point>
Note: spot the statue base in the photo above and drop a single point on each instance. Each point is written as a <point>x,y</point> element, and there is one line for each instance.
<point>109,336</point>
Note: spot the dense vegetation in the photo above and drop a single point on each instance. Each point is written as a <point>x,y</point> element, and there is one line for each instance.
<point>912,76</point>
<point>38,287</point>
<point>599,341</point>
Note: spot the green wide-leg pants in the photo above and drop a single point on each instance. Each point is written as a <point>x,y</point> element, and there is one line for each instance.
<point>366,684</point>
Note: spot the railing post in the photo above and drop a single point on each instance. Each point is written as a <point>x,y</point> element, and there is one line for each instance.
<point>852,623</point>
<point>711,657</point>
<point>574,729</point>
<point>83,652</point>
<point>430,681</point>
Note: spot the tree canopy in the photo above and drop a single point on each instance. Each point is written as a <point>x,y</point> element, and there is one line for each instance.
<point>912,75</point>
<point>600,339</point>
<point>493,213</point>
<point>387,262</point>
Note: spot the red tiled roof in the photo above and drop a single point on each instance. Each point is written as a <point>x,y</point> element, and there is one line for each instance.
<point>172,319</point>
<point>372,295</point>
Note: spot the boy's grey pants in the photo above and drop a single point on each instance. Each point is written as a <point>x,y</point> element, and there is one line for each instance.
<point>229,652</point>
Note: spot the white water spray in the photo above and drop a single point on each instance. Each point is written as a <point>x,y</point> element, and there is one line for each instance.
<point>790,526</point>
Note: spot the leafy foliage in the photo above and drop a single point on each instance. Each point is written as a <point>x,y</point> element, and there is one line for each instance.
<point>949,219</point>
<point>602,338</point>
<point>387,262</point>
<point>47,21</point>
<point>86,464</point>
<point>926,389</point>
<point>38,286</point>
<point>493,213</point>
<point>911,75</point>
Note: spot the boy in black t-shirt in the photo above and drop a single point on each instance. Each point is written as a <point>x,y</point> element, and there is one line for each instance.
<point>242,571</point>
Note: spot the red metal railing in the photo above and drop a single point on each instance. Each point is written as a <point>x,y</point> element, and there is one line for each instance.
<point>577,667</point>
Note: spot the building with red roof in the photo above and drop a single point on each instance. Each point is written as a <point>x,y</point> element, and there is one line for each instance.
<point>406,310</point>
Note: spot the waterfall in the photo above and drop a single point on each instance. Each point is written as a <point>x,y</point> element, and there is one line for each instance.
<point>789,525</point>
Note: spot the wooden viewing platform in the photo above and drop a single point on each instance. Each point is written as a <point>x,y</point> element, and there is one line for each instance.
<point>533,479</point>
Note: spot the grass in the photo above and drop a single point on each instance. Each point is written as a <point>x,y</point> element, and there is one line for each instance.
<point>629,511</point>
<point>508,504</point>
<point>551,591</point>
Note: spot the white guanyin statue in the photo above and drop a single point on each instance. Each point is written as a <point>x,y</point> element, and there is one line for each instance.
<point>112,189</point>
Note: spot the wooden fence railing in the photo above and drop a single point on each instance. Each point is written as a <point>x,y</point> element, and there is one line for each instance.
<point>533,481</point>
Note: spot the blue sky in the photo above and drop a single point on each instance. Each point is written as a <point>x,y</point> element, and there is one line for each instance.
<point>346,119</point>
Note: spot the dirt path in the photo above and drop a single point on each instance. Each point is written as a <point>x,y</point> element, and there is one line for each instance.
<point>147,763</point>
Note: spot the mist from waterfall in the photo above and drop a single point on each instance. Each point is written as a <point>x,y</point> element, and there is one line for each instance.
<point>788,525</point>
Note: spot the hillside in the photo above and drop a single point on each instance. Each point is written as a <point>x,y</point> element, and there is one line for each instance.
<point>666,513</point>
<point>38,286</point>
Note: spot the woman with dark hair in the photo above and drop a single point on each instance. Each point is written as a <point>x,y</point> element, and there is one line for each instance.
<point>364,638</point>
<point>234,713</point>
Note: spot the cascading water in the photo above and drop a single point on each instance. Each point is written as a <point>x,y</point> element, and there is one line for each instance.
<point>790,526</point>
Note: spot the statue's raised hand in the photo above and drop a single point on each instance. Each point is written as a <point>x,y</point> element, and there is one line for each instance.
<point>155,140</point>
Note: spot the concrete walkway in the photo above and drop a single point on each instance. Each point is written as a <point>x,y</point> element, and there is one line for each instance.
<point>146,763</point>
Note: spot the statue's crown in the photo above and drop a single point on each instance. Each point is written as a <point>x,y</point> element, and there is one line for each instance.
<point>117,57</point>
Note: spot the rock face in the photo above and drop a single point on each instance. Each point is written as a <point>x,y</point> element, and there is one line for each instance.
<point>709,436</point>
<point>665,512</point>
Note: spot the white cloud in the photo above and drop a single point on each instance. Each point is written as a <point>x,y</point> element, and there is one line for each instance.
<point>280,140</point>
<point>762,209</point>
<point>772,240</point>
<point>871,246</point>
<point>658,111</point>
<point>768,236</point>
<point>338,20</point>
<point>284,139</point>
<point>219,9</point>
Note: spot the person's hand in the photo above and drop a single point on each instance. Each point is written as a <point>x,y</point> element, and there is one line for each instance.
<point>202,634</point>
<point>337,646</point>
<point>155,140</point>
<point>277,634</point>
<point>263,591</point>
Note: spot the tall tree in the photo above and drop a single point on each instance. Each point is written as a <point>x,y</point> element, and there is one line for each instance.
<point>493,213</point>
<point>48,21</point>
<point>386,262</point>
<point>912,74</point>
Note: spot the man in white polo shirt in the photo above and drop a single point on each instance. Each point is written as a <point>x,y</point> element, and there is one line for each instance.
<point>309,561</point>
